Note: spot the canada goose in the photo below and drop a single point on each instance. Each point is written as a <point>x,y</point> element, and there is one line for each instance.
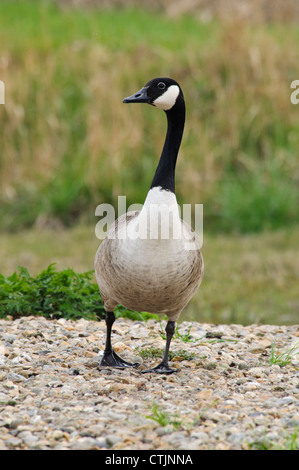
<point>135,265</point>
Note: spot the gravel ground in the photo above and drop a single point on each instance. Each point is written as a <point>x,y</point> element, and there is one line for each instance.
<point>226,395</point>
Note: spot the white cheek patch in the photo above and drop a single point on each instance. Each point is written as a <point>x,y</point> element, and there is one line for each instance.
<point>168,99</point>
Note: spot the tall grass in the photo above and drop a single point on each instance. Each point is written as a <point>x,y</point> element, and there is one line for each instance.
<point>68,143</point>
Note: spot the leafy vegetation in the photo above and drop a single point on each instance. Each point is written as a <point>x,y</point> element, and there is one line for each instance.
<point>51,294</point>
<point>54,294</point>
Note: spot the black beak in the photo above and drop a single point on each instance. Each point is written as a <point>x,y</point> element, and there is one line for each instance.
<point>139,97</point>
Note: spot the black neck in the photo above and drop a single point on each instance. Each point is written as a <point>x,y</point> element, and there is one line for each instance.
<point>165,172</point>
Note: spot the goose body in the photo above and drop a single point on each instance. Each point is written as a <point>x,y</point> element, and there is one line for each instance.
<point>150,259</point>
<point>144,273</point>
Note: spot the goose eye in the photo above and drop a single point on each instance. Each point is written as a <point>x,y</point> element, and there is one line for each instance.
<point>161,85</point>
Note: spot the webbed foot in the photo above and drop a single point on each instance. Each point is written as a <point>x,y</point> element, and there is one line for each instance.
<point>111,359</point>
<point>161,368</point>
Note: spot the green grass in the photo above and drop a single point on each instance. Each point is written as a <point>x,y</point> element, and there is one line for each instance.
<point>154,353</point>
<point>183,337</point>
<point>45,27</point>
<point>282,359</point>
<point>163,418</point>
<point>55,294</point>
<point>68,142</point>
<point>291,442</point>
<point>173,421</point>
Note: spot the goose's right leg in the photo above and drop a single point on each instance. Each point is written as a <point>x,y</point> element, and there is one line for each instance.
<point>110,358</point>
<point>163,367</point>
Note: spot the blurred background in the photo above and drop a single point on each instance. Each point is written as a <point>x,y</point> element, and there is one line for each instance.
<point>68,143</point>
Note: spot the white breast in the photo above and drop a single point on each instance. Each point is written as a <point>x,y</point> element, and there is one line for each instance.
<point>158,228</point>
<point>159,218</point>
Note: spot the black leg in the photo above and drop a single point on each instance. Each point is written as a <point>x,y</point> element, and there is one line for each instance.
<point>110,358</point>
<point>163,367</point>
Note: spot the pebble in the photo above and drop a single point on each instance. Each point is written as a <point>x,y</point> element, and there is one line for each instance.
<point>227,395</point>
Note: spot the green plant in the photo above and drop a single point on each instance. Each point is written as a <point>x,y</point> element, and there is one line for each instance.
<point>163,418</point>
<point>123,312</point>
<point>282,359</point>
<point>51,294</point>
<point>54,294</point>
<point>262,444</point>
<point>183,337</point>
<point>291,442</point>
<point>155,353</point>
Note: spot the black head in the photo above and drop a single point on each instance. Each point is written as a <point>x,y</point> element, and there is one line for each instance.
<point>160,92</point>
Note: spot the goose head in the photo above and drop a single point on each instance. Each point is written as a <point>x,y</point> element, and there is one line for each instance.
<point>164,93</point>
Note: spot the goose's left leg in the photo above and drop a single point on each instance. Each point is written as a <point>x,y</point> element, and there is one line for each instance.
<point>110,358</point>
<point>163,367</point>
